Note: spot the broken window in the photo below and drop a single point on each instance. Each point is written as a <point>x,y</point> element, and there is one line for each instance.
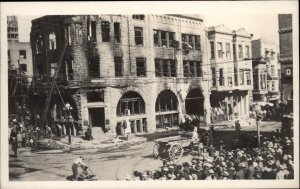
<point>240,52</point>
<point>131,103</point>
<point>141,67</point>
<point>193,41</point>
<point>69,35</point>
<point>95,96</point>
<point>165,67</point>
<point>118,66</point>
<point>163,38</point>
<point>220,50</point>
<point>39,44</point>
<point>94,67</point>
<point>166,101</point>
<point>52,41</point>
<point>23,67</point>
<point>105,31</point>
<point>228,51</point>
<point>69,69</point>
<point>138,35</point>
<point>212,50</point>
<point>22,54</point>
<point>229,81</point>
<point>117,31</point>
<point>192,68</point>
<point>138,16</point>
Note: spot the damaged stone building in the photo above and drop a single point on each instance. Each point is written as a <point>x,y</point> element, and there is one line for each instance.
<point>148,70</point>
<point>231,72</point>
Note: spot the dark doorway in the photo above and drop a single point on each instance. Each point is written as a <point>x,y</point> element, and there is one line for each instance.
<point>97,117</point>
<point>194,103</point>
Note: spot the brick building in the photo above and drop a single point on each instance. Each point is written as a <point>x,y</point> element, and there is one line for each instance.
<point>231,68</point>
<point>149,70</point>
<point>286,58</point>
<point>265,70</point>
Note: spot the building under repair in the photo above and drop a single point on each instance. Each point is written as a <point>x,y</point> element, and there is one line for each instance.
<point>146,70</point>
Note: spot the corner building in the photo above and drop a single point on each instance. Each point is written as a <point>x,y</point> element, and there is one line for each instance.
<point>149,70</point>
<point>231,73</point>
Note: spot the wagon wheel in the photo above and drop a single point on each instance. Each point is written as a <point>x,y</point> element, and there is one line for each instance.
<point>156,150</point>
<point>175,152</point>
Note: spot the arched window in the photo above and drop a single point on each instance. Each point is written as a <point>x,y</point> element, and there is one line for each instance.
<point>131,103</point>
<point>166,101</point>
<point>52,41</point>
<point>194,102</point>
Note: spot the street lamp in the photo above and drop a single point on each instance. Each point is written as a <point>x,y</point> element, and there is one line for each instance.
<point>259,115</point>
<point>68,108</point>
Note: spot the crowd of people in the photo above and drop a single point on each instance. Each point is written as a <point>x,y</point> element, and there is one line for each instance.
<point>273,160</point>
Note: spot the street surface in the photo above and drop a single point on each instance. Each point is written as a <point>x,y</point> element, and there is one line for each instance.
<point>106,165</point>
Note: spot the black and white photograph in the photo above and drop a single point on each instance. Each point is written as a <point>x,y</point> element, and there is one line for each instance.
<point>196,93</point>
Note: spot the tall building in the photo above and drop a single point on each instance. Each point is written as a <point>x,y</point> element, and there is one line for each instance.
<point>19,65</point>
<point>231,68</point>
<point>149,70</point>
<point>286,58</point>
<point>265,70</point>
<point>12,28</point>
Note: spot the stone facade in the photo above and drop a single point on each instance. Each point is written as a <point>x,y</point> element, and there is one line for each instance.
<point>230,72</point>
<point>102,76</point>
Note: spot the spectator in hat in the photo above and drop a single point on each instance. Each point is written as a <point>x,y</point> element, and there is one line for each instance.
<point>241,173</point>
<point>211,151</point>
<point>250,174</point>
<point>280,174</point>
<point>237,129</point>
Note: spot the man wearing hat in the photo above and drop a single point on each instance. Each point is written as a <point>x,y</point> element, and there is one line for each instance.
<point>241,173</point>
<point>75,167</point>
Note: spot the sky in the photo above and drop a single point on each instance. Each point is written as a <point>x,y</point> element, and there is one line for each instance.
<point>260,25</point>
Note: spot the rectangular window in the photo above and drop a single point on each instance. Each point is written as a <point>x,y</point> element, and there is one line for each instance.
<point>138,35</point>
<point>240,52</point>
<point>165,67</point>
<point>105,29</point>
<point>247,49</point>
<point>221,79</point>
<point>228,51</point>
<point>69,35</point>
<point>138,16</point>
<point>192,69</point>
<point>248,76</point>
<point>95,96</point>
<point>192,40</point>
<point>22,54</point>
<point>141,67</point>
<point>94,67</point>
<point>118,66</point>
<point>229,81</point>
<point>69,70</point>
<point>163,38</point>
<point>199,69</point>
<point>23,67</point>
<point>220,50</point>
<point>214,78</point>
<point>212,50</point>
<point>93,32</point>
<point>8,54</point>
<point>117,30</point>
<point>242,78</point>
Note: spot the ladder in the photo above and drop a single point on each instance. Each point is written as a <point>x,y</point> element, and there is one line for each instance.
<point>48,99</point>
